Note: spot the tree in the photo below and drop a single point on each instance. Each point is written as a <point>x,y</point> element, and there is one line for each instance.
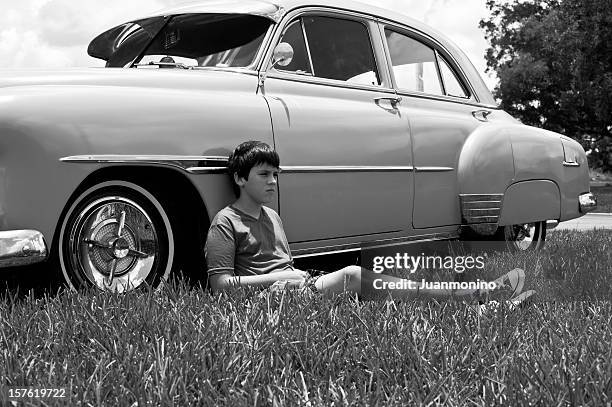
<point>553,59</point>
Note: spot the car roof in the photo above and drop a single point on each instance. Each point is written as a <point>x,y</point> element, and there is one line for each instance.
<point>276,9</point>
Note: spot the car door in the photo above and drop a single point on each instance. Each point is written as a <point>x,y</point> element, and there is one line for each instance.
<point>441,110</point>
<point>344,145</point>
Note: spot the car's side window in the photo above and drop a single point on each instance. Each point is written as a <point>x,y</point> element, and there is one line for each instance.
<point>452,85</point>
<point>341,49</point>
<point>334,48</point>
<point>414,64</point>
<point>417,67</point>
<point>294,36</point>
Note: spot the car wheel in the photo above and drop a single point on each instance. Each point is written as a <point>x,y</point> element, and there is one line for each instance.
<point>116,236</point>
<point>528,236</point>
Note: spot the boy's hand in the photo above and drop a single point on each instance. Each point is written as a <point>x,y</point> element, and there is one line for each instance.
<point>289,279</point>
<point>294,278</point>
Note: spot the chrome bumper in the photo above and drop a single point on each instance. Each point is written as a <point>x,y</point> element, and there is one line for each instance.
<point>21,247</point>
<point>551,224</point>
<point>587,202</point>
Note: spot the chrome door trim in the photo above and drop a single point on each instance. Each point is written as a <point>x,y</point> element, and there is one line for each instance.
<point>352,247</point>
<point>294,169</point>
<point>199,164</point>
<point>433,169</point>
<point>195,164</point>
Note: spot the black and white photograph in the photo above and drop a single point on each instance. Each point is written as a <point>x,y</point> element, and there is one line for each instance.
<point>306,203</point>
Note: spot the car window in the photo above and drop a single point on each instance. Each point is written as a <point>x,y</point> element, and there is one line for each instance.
<point>294,36</point>
<point>206,40</point>
<point>130,39</point>
<point>414,64</point>
<point>341,49</point>
<point>452,86</point>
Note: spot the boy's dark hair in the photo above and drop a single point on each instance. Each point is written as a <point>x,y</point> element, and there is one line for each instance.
<point>248,155</point>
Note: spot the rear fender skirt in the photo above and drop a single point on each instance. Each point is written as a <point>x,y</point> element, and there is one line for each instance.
<point>530,201</point>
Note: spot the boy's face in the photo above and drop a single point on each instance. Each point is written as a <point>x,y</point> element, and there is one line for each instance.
<point>262,183</point>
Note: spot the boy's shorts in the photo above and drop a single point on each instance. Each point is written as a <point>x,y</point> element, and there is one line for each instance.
<point>309,284</point>
<point>310,281</point>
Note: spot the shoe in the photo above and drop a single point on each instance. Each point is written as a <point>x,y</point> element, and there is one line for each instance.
<point>521,299</point>
<point>491,307</point>
<point>513,280</point>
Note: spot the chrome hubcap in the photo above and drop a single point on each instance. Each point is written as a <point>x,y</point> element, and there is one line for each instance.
<point>114,244</point>
<point>121,247</point>
<point>523,235</point>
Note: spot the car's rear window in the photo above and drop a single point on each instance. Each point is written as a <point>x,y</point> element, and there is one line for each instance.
<point>194,40</point>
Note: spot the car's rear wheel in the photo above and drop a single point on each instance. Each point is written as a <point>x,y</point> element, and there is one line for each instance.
<point>116,236</point>
<point>524,237</point>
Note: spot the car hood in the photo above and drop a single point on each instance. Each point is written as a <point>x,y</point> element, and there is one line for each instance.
<point>208,79</point>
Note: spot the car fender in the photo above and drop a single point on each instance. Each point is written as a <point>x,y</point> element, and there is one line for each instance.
<point>544,155</point>
<point>41,126</point>
<point>520,171</point>
<point>485,163</point>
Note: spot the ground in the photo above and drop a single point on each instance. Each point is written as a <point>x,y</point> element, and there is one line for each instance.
<point>183,346</point>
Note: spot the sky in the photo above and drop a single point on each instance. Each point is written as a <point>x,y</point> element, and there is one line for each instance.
<point>55,33</point>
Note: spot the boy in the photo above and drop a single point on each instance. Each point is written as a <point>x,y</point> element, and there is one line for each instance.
<point>247,246</point>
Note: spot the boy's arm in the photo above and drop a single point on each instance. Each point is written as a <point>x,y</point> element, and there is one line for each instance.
<point>226,281</point>
<point>220,251</point>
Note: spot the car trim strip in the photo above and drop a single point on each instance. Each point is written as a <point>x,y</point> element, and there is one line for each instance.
<point>481,208</point>
<point>434,169</point>
<point>141,157</point>
<point>361,168</point>
<point>349,236</point>
<point>195,164</point>
<point>352,247</point>
<point>200,164</point>
<point>344,168</point>
<point>571,164</point>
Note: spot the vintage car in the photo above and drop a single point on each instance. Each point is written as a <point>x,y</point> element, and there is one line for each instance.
<point>385,130</point>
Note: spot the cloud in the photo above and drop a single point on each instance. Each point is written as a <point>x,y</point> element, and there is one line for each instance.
<point>55,33</point>
<point>63,25</point>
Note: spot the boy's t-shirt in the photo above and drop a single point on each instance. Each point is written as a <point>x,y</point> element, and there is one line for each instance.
<point>242,245</point>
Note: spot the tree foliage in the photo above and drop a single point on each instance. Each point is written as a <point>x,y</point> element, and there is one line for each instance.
<point>553,59</point>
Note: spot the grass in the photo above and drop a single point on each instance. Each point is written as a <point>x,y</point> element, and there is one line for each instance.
<point>604,199</point>
<point>184,346</point>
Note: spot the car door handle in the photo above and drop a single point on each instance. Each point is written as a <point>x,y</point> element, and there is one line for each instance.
<point>393,99</point>
<point>481,115</point>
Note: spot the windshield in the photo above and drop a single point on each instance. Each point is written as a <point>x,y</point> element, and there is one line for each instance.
<point>191,41</point>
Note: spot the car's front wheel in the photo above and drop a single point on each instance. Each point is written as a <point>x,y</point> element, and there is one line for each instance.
<point>116,236</point>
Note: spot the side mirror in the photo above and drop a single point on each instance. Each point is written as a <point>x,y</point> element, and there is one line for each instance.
<point>283,54</point>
